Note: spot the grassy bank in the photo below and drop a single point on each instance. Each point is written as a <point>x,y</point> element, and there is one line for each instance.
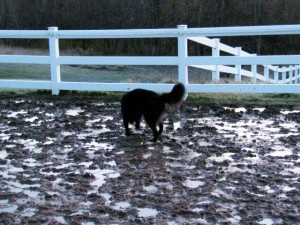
<point>203,99</point>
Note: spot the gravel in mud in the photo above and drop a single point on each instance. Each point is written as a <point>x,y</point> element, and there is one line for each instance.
<point>69,162</point>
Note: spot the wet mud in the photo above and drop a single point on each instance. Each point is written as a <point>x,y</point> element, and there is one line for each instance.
<point>69,162</point>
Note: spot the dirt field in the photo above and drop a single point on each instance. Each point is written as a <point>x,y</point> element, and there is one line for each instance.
<point>67,161</point>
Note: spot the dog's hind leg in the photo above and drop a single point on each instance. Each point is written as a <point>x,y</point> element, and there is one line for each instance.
<point>155,134</point>
<point>161,128</point>
<point>138,121</point>
<point>126,125</point>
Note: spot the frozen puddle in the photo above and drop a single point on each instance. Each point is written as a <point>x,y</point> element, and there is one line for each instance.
<point>74,112</point>
<point>280,151</point>
<point>222,158</point>
<point>3,154</point>
<point>151,189</point>
<point>237,110</point>
<point>101,175</point>
<point>76,163</point>
<point>193,183</point>
<point>16,114</point>
<point>147,212</point>
<point>8,208</point>
<point>268,221</point>
<point>121,206</point>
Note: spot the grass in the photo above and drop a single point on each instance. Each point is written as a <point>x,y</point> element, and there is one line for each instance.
<point>246,99</point>
<point>201,99</point>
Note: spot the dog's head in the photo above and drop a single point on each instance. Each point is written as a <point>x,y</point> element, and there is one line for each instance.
<point>178,93</point>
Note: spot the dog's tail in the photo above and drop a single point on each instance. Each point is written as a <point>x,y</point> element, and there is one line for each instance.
<point>175,96</point>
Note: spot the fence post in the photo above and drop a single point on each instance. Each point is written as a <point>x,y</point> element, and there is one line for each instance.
<point>238,76</point>
<point>216,53</point>
<point>54,54</point>
<point>290,74</point>
<point>294,74</point>
<point>299,74</point>
<point>267,73</point>
<point>254,72</point>
<point>284,74</point>
<point>182,55</point>
<point>276,74</point>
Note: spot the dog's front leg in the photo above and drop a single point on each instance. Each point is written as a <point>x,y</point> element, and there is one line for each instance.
<point>126,125</point>
<point>155,134</point>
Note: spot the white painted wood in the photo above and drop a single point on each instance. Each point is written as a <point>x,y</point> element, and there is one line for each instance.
<point>156,33</point>
<point>216,54</point>
<point>276,74</point>
<point>83,86</point>
<point>204,40</point>
<point>243,88</point>
<point>244,31</point>
<point>26,84</point>
<point>284,73</point>
<point>290,75</point>
<point>54,54</point>
<point>216,64</point>
<point>238,75</point>
<point>26,59</point>
<point>228,49</point>
<point>117,60</point>
<point>254,73</point>
<point>182,55</point>
<point>245,60</point>
<point>20,34</point>
<point>191,88</point>
<point>132,33</point>
<point>267,73</point>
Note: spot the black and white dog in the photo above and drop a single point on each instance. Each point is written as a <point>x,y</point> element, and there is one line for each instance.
<point>152,106</point>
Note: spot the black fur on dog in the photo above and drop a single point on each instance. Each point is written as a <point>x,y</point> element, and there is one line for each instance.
<point>152,106</point>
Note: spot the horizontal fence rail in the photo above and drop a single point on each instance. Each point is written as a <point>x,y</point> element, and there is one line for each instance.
<point>285,69</point>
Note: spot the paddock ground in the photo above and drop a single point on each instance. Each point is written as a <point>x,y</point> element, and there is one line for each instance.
<point>67,161</point>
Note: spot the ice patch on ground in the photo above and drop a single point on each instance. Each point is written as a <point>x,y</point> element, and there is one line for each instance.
<point>147,212</point>
<point>74,112</point>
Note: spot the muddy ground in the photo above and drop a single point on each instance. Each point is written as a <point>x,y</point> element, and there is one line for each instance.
<point>67,161</point>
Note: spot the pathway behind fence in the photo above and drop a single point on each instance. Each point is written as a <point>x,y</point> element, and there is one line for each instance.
<point>281,73</point>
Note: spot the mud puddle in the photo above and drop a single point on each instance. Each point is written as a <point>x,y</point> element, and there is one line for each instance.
<point>69,163</point>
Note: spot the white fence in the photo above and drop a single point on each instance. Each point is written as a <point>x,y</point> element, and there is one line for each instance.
<point>285,79</point>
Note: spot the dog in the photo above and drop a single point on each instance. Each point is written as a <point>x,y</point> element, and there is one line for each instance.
<point>140,102</point>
